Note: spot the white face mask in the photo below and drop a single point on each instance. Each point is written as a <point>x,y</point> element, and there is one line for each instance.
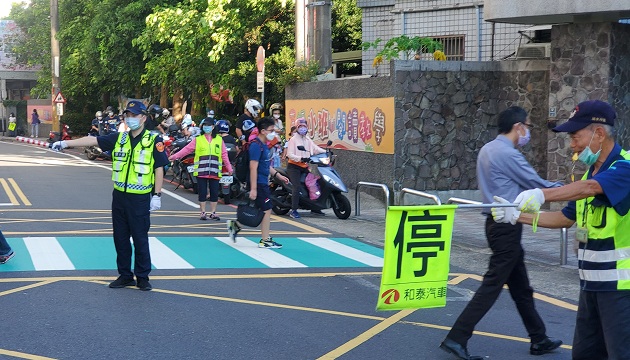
<point>271,136</point>
<point>276,116</point>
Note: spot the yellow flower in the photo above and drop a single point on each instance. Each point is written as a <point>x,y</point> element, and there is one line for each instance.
<point>439,55</point>
<point>377,61</point>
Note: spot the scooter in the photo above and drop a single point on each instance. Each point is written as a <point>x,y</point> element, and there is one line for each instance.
<point>226,181</point>
<point>183,168</point>
<point>54,136</point>
<point>331,188</point>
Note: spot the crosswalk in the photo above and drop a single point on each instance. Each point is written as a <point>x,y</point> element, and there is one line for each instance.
<point>98,253</point>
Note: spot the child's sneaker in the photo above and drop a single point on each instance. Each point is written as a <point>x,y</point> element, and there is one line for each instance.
<point>294,214</point>
<point>233,229</point>
<point>269,244</point>
<point>7,257</point>
<point>203,216</point>
<point>214,216</point>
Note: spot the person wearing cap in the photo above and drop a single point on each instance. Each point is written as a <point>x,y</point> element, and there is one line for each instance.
<point>599,205</point>
<point>503,171</point>
<point>210,117</point>
<point>137,172</point>
<point>298,163</point>
<point>211,156</point>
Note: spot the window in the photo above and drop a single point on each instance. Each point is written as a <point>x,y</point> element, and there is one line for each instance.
<point>453,46</point>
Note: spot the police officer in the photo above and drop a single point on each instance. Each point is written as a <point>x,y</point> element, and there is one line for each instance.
<point>138,159</point>
<point>598,205</point>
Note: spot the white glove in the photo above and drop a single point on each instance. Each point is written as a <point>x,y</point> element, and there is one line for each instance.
<point>59,145</point>
<point>156,203</point>
<point>504,214</point>
<point>530,201</point>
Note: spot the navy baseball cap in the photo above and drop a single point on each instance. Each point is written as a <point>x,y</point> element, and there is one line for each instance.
<point>136,107</point>
<point>587,113</point>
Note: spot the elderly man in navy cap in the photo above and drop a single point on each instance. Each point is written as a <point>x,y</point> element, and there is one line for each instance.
<point>137,172</point>
<point>599,205</point>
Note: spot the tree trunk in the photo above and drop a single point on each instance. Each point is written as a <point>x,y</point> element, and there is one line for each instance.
<point>164,96</point>
<point>198,107</point>
<point>178,101</point>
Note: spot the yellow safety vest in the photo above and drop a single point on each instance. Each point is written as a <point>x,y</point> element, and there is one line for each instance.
<point>132,170</point>
<point>208,159</point>
<point>604,260</point>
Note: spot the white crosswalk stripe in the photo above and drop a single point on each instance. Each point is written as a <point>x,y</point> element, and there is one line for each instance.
<point>47,254</point>
<point>162,257</point>
<point>265,256</point>
<point>345,250</point>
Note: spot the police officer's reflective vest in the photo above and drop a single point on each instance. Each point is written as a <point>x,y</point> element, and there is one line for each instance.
<point>132,170</point>
<point>604,260</point>
<point>208,160</point>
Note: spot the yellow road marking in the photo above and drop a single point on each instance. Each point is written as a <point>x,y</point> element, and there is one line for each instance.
<point>7,190</point>
<point>26,287</point>
<point>23,355</point>
<point>19,192</point>
<point>375,330</point>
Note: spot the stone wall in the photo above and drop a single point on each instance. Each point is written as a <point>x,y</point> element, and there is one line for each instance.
<point>589,62</point>
<point>445,112</point>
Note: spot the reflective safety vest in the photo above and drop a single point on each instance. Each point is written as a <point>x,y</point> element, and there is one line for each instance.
<point>208,159</point>
<point>132,170</point>
<point>604,260</point>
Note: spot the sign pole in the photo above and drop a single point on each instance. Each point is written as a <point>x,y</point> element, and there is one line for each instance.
<point>260,75</point>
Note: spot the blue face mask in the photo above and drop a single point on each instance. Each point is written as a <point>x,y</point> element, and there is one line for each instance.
<point>133,123</point>
<point>302,130</point>
<point>523,140</point>
<point>207,129</point>
<point>587,156</point>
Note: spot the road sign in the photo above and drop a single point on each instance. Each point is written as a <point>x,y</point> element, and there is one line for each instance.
<point>260,59</point>
<point>260,81</point>
<point>59,98</point>
<point>59,109</point>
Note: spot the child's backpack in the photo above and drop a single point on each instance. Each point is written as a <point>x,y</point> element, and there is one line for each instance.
<point>241,163</point>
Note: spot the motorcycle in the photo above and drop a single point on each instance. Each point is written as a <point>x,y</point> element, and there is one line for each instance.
<point>331,188</point>
<point>227,181</point>
<point>183,168</point>
<point>54,136</point>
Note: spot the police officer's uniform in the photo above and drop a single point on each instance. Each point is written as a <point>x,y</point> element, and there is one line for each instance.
<point>134,160</point>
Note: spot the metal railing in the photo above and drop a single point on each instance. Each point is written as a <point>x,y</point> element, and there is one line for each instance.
<point>564,233</point>
<point>401,197</point>
<point>357,199</point>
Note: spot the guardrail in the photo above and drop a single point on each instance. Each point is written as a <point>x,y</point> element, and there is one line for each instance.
<point>401,197</point>
<point>357,200</point>
<point>564,234</point>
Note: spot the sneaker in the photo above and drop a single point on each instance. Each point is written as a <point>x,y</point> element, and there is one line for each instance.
<point>233,229</point>
<point>122,281</point>
<point>7,257</point>
<point>544,346</point>
<point>317,213</point>
<point>214,216</point>
<point>269,244</point>
<point>143,284</point>
<point>294,214</point>
<point>203,216</point>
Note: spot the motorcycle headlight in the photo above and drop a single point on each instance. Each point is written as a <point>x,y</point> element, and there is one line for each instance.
<point>325,160</point>
<point>331,180</point>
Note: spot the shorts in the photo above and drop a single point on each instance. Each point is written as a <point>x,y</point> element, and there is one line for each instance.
<point>263,197</point>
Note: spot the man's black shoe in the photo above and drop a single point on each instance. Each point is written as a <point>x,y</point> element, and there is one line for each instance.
<point>122,281</point>
<point>143,284</point>
<point>545,346</point>
<point>450,346</point>
<point>317,212</point>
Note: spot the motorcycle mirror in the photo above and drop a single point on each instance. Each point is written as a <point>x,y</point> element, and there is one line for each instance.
<point>301,148</point>
<point>329,143</point>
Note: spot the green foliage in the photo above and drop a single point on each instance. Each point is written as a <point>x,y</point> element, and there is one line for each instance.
<point>299,73</point>
<point>409,47</point>
<point>79,123</point>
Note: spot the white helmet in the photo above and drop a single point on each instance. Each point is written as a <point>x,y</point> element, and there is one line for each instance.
<point>187,120</point>
<point>165,113</point>
<point>99,114</point>
<point>253,106</point>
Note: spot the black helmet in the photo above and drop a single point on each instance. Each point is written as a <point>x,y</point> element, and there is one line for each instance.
<point>154,110</point>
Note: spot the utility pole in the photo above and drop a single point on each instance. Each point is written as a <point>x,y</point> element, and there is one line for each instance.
<point>55,64</point>
<point>300,32</point>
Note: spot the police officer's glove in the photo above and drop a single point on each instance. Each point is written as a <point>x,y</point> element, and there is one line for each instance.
<point>529,201</point>
<point>504,214</point>
<point>59,145</point>
<point>306,160</point>
<point>156,203</point>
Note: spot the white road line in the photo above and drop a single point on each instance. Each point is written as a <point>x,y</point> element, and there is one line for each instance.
<point>162,257</point>
<point>268,257</point>
<point>345,250</point>
<point>47,254</point>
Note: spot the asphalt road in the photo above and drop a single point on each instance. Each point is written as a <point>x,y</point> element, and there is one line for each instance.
<point>236,310</point>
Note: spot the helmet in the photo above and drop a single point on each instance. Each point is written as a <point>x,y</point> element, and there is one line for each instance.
<point>253,106</point>
<point>109,108</point>
<point>248,125</point>
<point>154,110</point>
<point>275,106</point>
<point>187,121</point>
<point>166,113</point>
<point>211,113</point>
<point>301,122</point>
<point>195,131</point>
<point>98,114</point>
<point>223,127</point>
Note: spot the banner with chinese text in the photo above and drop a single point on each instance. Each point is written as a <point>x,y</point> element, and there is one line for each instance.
<point>416,257</point>
<point>361,124</point>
